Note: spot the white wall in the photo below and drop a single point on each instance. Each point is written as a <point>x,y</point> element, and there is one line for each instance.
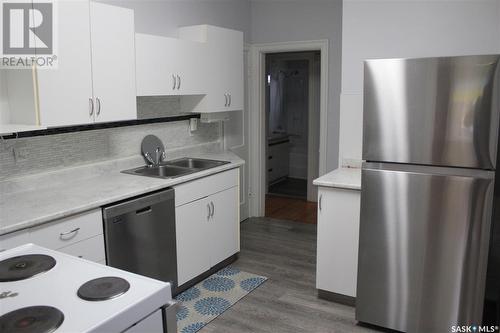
<point>300,20</point>
<point>404,29</point>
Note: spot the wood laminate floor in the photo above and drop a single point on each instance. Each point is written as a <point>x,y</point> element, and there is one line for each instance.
<point>298,210</point>
<point>285,252</point>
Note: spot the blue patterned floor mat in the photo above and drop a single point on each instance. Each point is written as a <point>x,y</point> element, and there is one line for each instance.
<point>208,299</point>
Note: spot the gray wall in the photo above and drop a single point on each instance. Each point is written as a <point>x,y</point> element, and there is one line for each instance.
<point>299,20</point>
<point>163,17</point>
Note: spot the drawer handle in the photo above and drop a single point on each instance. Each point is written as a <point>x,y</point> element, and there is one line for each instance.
<point>270,170</point>
<point>62,234</point>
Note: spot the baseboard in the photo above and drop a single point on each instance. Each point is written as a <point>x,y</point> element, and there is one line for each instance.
<point>337,298</point>
<point>206,274</point>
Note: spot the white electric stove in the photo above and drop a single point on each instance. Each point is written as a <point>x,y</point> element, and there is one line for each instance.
<point>43,291</point>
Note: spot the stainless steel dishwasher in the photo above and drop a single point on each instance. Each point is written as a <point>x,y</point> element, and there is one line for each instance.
<point>140,236</point>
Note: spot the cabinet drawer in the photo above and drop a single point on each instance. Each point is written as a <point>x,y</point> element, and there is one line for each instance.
<point>203,187</point>
<point>69,230</point>
<point>91,249</point>
<point>15,239</point>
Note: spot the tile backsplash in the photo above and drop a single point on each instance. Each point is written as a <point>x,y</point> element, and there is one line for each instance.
<point>158,106</point>
<point>27,156</point>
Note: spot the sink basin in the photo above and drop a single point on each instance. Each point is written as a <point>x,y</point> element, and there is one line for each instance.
<point>196,163</point>
<point>176,168</point>
<point>163,171</point>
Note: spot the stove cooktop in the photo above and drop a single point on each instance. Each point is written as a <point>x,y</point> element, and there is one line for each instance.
<point>32,319</point>
<point>116,299</point>
<point>103,289</point>
<point>25,266</point>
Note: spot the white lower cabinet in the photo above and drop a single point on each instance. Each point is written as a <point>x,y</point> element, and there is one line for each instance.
<point>338,239</point>
<point>224,225</point>
<point>80,235</point>
<point>14,239</point>
<point>191,228</point>
<point>207,226</point>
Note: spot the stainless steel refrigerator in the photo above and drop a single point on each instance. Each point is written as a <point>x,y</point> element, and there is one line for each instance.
<point>430,132</point>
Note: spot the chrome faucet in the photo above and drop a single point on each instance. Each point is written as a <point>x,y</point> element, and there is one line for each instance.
<point>159,157</point>
<point>150,160</point>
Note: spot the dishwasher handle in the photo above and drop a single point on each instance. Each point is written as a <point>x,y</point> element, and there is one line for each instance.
<point>138,205</point>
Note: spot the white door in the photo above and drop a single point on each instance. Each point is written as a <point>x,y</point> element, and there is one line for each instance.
<point>191,228</point>
<point>191,67</point>
<point>224,225</point>
<point>113,62</point>
<point>338,239</point>
<point>65,92</point>
<point>226,55</point>
<point>157,68</point>
<point>233,69</point>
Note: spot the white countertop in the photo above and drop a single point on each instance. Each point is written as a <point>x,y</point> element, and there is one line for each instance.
<point>348,178</point>
<point>34,200</point>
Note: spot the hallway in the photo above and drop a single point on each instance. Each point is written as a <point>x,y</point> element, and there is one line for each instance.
<point>297,210</point>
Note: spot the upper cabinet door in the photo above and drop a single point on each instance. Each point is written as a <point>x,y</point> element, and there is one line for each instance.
<point>223,66</point>
<point>437,111</point>
<point>64,93</point>
<point>113,62</point>
<point>168,66</point>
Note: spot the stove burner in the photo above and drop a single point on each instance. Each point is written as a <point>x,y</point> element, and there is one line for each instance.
<point>103,288</point>
<point>26,266</point>
<point>33,319</point>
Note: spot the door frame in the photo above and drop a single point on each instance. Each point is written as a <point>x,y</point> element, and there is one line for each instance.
<point>257,149</point>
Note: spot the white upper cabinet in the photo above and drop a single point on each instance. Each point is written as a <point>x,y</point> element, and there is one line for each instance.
<point>205,62</point>
<point>65,93</point>
<point>168,66</point>
<point>95,77</point>
<point>113,62</point>
<point>223,70</point>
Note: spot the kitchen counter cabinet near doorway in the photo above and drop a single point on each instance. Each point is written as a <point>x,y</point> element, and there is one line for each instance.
<point>339,197</point>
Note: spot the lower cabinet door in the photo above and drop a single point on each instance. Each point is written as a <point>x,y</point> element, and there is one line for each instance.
<point>224,225</point>
<point>338,232</point>
<point>191,228</point>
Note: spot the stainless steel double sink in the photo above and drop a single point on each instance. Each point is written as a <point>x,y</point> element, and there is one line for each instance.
<point>175,168</point>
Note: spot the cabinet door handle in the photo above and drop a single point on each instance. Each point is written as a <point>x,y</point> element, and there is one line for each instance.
<point>209,212</point>
<point>91,106</point>
<point>98,101</point>
<point>178,82</point>
<point>213,208</point>
<point>74,231</point>
<point>319,203</point>
<point>225,97</point>
<point>174,82</point>
<point>229,104</point>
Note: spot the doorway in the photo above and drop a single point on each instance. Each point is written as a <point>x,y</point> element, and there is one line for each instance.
<point>292,100</point>
<point>257,115</point>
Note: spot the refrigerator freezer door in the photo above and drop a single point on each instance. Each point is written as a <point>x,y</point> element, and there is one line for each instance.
<point>423,246</point>
<point>432,111</point>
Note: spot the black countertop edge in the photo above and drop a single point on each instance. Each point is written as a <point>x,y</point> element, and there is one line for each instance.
<point>90,127</point>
